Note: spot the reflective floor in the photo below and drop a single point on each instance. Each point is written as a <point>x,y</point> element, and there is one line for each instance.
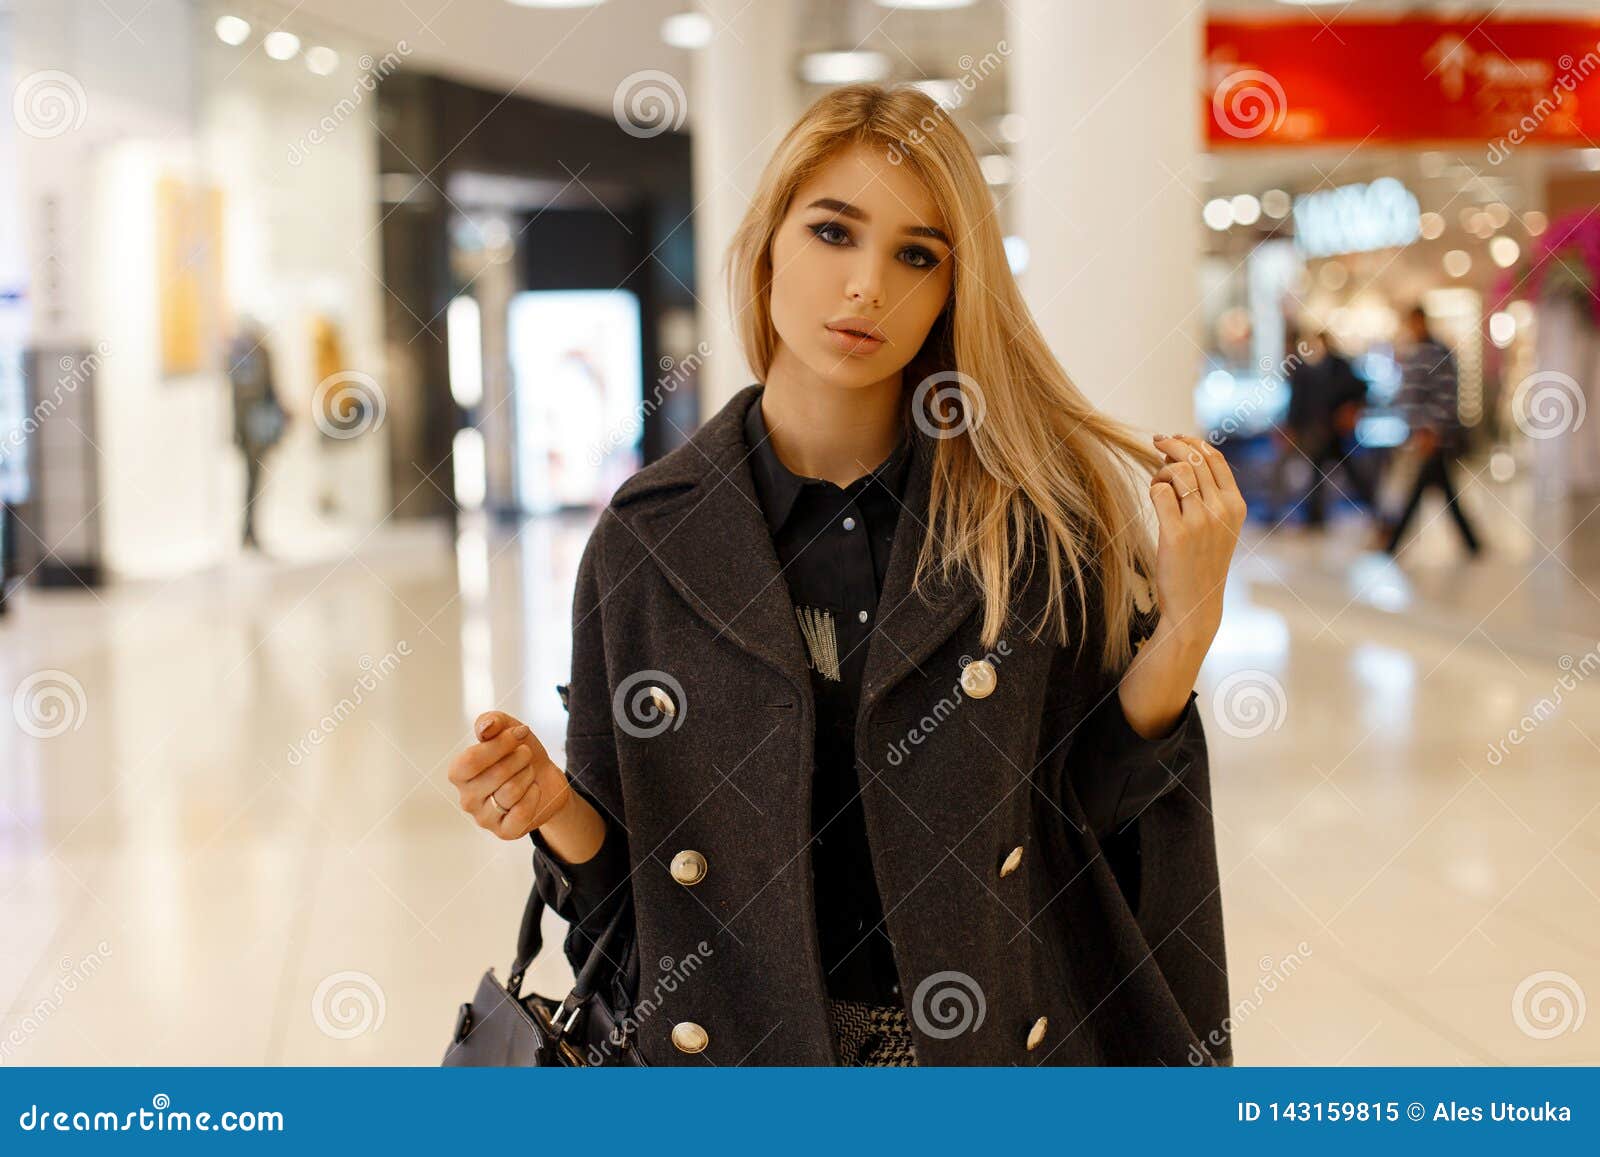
<point>226,835</point>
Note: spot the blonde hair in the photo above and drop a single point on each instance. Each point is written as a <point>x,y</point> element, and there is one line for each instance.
<point>1036,469</point>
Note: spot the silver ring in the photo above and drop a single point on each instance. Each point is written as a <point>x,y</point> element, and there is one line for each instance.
<point>503,810</point>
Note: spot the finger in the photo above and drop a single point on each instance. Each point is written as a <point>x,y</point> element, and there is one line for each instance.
<point>490,724</point>
<point>532,810</point>
<point>511,823</point>
<point>478,758</point>
<point>1225,499</point>
<point>1218,461</point>
<point>1184,450</point>
<point>521,782</point>
<point>1185,485</point>
<point>1168,512</point>
<point>482,786</point>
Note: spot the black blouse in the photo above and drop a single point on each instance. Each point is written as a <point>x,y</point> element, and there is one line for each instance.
<point>833,545</point>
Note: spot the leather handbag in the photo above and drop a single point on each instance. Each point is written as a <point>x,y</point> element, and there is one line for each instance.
<point>501,1027</point>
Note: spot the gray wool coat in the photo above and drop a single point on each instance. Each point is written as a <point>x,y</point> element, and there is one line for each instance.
<point>1038,916</point>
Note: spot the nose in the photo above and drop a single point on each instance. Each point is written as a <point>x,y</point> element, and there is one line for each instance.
<point>865,285</point>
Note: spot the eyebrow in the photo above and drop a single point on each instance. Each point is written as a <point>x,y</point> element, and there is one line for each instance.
<point>845,209</point>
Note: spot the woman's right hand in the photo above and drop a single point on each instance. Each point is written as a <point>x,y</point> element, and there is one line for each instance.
<point>509,763</point>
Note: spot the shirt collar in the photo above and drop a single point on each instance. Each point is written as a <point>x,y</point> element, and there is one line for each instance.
<point>779,487</point>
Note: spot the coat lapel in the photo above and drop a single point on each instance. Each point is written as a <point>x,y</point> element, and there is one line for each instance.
<point>698,515</point>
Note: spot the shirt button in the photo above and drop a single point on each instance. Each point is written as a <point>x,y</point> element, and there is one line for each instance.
<point>862,616</point>
<point>849,524</point>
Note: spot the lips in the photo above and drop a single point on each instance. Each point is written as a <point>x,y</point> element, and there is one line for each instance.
<point>851,341</point>
<point>856,327</point>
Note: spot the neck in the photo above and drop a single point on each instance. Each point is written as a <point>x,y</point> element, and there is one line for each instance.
<point>822,430</point>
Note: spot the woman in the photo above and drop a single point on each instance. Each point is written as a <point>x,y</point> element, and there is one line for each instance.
<point>865,715</point>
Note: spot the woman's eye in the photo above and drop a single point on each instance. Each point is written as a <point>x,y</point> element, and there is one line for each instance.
<point>920,258</point>
<point>827,231</point>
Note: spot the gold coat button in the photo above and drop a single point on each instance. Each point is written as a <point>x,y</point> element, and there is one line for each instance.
<point>688,867</point>
<point>689,1037</point>
<point>1011,862</point>
<point>662,701</point>
<point>1036,1033</point>
<point>978,678</point>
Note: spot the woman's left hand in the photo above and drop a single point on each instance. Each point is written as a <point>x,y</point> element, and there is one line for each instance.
<point>1201,512</point>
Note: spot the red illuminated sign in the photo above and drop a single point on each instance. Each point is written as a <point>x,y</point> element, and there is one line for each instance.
<point>1484,81</point>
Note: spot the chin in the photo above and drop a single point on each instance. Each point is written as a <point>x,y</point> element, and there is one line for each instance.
<point>848,373</point>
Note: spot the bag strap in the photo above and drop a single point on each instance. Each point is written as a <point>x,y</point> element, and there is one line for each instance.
<point>530,939</point>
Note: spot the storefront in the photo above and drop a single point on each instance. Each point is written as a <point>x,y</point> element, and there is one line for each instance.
<point>1337,206</point>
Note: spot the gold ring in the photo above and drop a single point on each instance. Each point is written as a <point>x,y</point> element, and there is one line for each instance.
<point>498,806</point>
<point>1186,493</point>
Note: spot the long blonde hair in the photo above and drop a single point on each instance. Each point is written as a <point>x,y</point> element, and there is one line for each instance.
<point>1001,493</point>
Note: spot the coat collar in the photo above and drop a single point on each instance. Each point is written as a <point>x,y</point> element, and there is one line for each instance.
<point>697,513</point>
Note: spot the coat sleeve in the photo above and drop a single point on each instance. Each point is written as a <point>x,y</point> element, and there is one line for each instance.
<point>1159,843</point>
<point>586,894</point>
<point>1116,772</point>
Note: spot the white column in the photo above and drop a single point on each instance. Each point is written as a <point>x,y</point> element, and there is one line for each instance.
<point>1109,196</point>
<point>743,101</point>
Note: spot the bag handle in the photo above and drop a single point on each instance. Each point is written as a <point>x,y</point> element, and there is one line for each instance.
<point>530,939</point>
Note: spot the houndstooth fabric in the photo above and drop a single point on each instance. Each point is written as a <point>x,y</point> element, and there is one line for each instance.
<point>871,1034</point>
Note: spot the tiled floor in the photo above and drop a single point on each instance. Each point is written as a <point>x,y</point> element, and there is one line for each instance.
<point>181,883</point>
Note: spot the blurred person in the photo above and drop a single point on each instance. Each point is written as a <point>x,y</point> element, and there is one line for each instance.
<point>259,419</point>
<point>1428,402</point>
<point>1326,397</point>
<point>914,513</point>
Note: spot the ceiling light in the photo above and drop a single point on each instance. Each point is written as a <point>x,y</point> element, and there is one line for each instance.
<point>843,67</point>
<point>281,45</point>
<point>232,30</point>
<point>321,59</point>
<point>687,30</point>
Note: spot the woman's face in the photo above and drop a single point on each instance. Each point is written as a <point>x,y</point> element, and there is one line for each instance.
<point>862,247</point>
